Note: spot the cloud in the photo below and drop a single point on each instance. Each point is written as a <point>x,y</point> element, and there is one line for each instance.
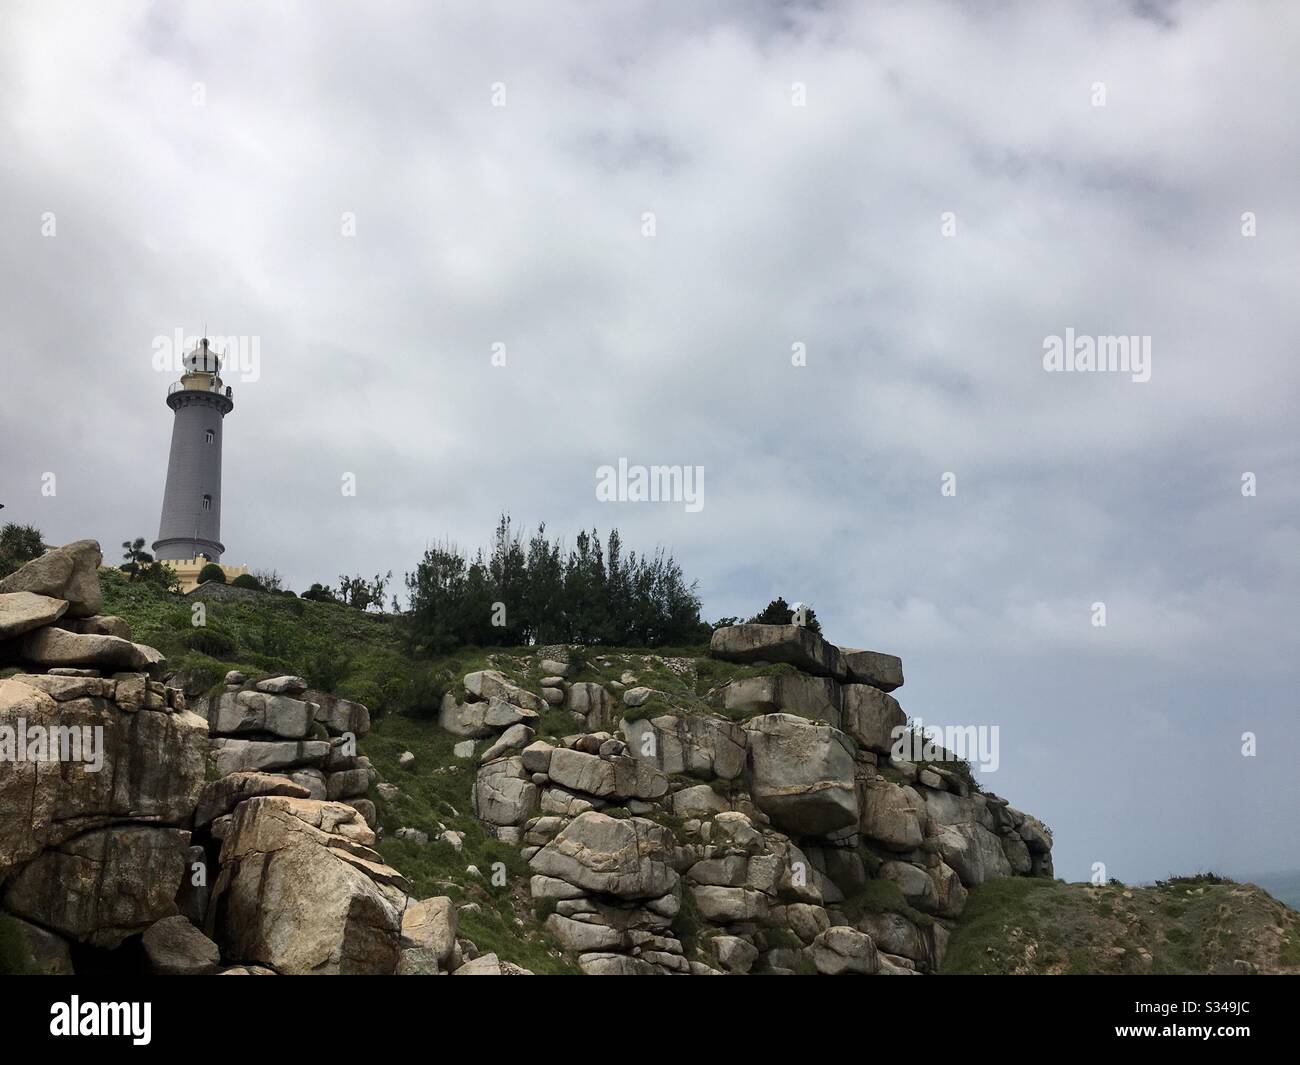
<point>774,225</point>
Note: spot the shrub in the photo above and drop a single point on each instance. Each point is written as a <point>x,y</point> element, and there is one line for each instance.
<point>19,544</point>
<point>212,574</point>
<point>779,612</point>
<point>325,668</point>
<point>247,580</point>
<point>210,641</point>
<point>161,574</point>
<point>423,695</point>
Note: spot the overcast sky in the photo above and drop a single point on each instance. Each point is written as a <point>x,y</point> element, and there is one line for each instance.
<point>195,163</point>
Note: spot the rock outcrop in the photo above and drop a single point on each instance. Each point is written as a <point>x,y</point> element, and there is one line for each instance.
<point>302,891</point>
<point>214,837</point>
<point>767,813</point>
<point>768,825</point>
<point>101,764</point>
<point>69,573</point>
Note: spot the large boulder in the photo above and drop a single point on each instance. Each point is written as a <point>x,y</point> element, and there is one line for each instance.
<point>99,625</point>
<point>582,937</point>
<point>483,965</point>
<point>23,611</point>
<point>591,700</point>
<point>817,698</point>
<point>696,745</point>
<point>339,715</point>
<point>478,719</point>
<point>895,934</point>
<point>302,892</point>
<point>626,857</point>
<point>116,766</point>
<point>619,776</point>
<point>870,716</point>
<point>70,573</point>
<point>872,667</point>
<point>726,905</point>
<point>973,851</point>
<point>104,885</point>
<point>515,738</point>
<point>945,808</point>
<point>892,815</point>
<point>582,772</point>
<point>802,774</point>
<point>54,647</point>
<point>600,963</point>
<point>486,684</point>
<point>234,756</point>
<point>504,793</point>
<point>1036,835</point>
<point>798,646</point>
<point>841,950</point>
<point>175,947</point>
<point>948,897</point>
<point>429,934</point>
<point>700,801</point>
<point>220,797</point>
<point>256,711</point>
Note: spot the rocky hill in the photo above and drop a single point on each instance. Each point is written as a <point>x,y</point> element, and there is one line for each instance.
<point>730,809</point>
<point>1197,924</point>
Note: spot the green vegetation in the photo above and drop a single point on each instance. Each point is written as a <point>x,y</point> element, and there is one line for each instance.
<point>212,573</point>
<point>883,896</point>
<point>1195,924</point>
<point>358,655</point>
<point>434,792</point>
<point>139,565</point>
<point>779,612</point>
<point>19,544</point>
<point>516,595</point>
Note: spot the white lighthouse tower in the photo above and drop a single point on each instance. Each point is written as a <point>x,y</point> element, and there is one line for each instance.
<point>189,534</point>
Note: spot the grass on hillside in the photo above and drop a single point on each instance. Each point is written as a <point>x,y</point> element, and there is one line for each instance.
<point>350,652</point>
<point>435,791</point>
<point>1201,924</point>
<point>882,896</point>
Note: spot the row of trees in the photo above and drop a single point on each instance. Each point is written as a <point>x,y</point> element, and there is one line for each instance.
<point>356,592</point>
<point>540,592</point>
<point>779,612</point>
<point>516,593</point>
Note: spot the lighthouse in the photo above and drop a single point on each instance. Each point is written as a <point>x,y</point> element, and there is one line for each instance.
<point>189,534</point>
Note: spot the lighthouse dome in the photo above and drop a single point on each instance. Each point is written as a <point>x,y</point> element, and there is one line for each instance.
<point>203,359</point>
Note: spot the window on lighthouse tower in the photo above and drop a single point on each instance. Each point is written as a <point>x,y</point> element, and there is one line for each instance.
<point>207,502</point>
<point>208,436</point>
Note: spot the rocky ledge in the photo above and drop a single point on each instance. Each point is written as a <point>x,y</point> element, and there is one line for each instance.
<point>774,813</point>
<point>229,836</point>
